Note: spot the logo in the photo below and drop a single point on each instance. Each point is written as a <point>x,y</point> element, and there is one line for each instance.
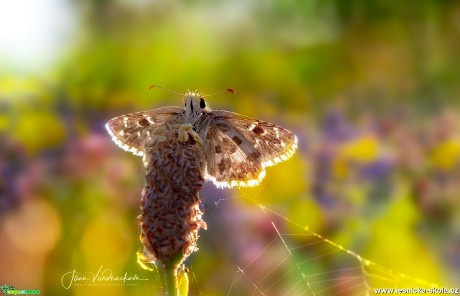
<point>10,290</point>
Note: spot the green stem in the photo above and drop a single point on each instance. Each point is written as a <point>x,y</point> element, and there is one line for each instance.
<point>170,276</point>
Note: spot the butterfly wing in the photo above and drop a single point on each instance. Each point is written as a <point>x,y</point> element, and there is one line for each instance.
<point>131,131</point>
<point>239,148</point>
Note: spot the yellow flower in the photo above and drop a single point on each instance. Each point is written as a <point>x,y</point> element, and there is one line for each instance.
<point>361,150</point>
<point>447,154</point>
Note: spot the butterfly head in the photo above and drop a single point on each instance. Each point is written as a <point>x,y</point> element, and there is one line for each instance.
<point>194,104</point>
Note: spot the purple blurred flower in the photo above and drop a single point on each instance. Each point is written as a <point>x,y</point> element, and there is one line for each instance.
<point>335,127</point>
<point>380,169</point>
<point>12,163</point>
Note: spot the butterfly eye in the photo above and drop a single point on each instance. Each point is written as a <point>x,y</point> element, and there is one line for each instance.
<point>202,103</point>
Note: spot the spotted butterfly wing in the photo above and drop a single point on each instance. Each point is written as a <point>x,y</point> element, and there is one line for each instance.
<point>239,148</point>
<point>131,131</point>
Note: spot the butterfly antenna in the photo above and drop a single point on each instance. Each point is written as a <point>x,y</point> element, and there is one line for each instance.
<point>171,91</point>
<point>230,90</point>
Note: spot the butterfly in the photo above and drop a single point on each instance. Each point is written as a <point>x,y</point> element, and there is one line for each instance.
<point>237,148</point>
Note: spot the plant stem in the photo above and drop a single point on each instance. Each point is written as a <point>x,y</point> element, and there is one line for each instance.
<point>170,276</point>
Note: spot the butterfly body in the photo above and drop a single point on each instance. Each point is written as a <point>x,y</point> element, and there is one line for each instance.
<point>237,148</point>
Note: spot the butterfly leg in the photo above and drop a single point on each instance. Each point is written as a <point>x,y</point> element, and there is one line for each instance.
<point>186,130</point>
<point>158,134</point>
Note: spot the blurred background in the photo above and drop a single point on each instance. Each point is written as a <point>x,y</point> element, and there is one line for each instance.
<point>371,88</point>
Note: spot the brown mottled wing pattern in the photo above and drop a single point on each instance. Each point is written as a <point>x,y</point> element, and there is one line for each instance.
<point>131,131</point>
<point>239,148</point>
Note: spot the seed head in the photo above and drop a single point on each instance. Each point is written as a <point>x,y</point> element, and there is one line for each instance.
<point>171,216</point>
